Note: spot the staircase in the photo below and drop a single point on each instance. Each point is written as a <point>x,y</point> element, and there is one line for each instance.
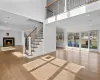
<point>33,41</point>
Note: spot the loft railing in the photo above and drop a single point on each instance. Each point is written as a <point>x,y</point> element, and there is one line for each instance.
<point>55,8</point>
<point>60,6</point>
<point>31,32</point>
<point>27,39</point>
<point>37,32</point>
<point>71,4</point>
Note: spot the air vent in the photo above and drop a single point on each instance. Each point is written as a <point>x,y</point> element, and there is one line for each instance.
<point>31,20</point>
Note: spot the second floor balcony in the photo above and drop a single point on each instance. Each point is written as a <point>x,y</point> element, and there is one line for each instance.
<point>60,6</point>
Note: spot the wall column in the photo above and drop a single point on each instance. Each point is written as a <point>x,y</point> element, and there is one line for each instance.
<point>65,7</point>
<point>23,42</point>
<point>30,53</point>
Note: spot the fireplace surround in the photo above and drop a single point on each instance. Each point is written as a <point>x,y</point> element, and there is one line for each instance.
<point>8,41</point>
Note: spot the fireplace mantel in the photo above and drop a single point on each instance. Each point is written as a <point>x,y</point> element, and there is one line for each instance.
<point>8,41</point>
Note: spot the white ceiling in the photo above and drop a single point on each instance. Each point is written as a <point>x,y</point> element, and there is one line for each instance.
<point>84,20</point>
<point>16,22</point>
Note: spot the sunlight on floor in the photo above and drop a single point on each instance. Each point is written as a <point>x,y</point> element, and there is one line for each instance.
<point>7,48</point>
<point>17,54</point>
<point>48,68</point>
<point>45,71</point>
<point>33,64</point>
<point>65,75</point>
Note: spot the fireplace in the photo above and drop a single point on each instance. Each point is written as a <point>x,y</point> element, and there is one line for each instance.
<point>8,41</point>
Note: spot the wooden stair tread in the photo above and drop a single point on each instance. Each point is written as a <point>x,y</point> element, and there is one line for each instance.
<point>35,43</point>
<point>34,47</point>
<point>40,32</point>
<point>39,38</point>
<point>32,51</point>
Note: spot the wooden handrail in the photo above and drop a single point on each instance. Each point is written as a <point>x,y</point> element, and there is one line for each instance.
<point>37,32</point>
<point>50,3</point>
<point>31,32</point>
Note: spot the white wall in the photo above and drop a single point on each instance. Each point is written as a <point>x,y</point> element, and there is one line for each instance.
<point>34,9</point>
<point>49,35</point>
<point>16,34</point>
<point>23,41</point>
<point>80,29</point>
<point>59,44</point>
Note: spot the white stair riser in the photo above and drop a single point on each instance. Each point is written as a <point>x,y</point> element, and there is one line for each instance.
<point>39,40</point>
<point>40,34</point>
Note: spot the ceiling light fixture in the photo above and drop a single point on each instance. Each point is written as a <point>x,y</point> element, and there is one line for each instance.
<point>88,15</point>
<point>5,21</point>
<point>91,24</point>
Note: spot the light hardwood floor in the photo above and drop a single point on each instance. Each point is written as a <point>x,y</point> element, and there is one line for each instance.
<point>11,65</point>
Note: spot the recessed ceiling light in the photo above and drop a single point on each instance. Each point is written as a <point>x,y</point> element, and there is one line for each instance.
<point>88,15</point>
<point>5,21</point>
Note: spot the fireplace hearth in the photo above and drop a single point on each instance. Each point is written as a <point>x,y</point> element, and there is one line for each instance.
<point>8,41</point>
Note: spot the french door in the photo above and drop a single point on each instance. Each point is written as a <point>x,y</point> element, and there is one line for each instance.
<point>84,40</point>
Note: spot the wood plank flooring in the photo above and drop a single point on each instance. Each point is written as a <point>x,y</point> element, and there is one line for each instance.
<point>11,65</point>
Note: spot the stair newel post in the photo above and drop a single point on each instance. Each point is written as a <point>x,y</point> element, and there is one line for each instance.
<point>30,53</point>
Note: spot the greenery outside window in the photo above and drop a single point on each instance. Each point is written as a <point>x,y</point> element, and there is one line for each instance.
<point>93,40</point>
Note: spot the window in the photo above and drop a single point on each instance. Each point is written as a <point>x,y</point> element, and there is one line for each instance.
<point>76,40</point>
<point>60,36</point>
<point>70,39</point>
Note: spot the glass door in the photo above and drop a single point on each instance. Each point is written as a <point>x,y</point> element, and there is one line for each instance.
<point>93,40</point>
<point>84,40</point>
